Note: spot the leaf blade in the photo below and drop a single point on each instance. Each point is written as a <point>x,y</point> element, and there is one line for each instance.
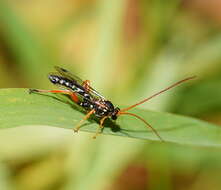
<point>18,108</point>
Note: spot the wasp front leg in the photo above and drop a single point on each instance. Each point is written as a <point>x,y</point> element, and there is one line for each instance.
<point>101,126</point>
<point>76,129</point>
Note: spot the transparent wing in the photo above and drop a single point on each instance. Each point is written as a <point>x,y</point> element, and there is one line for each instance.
<point>71,76</point>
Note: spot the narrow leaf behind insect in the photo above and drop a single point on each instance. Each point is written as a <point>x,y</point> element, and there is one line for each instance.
<point>19,108</point>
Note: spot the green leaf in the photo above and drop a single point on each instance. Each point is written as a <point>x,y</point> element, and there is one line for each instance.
<point>19,108</point>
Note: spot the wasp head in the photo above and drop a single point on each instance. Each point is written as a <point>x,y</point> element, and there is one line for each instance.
<point>114,114</point>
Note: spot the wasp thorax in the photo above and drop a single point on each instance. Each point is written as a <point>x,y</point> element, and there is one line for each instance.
<point>103,108</point>
<point>109,106</point>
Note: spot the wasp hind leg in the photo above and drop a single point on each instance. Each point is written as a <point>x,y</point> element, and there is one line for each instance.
<point>71,94</point>
<point>76,129</point>
<point>101,126</point>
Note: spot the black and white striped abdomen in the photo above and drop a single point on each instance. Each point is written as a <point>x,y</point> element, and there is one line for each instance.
<point>59,80</point>
<point>62,81</point>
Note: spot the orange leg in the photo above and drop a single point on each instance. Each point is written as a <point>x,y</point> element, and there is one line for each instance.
<point>85,118</point>
<point>100,127</point>
<point>71,94</point>
<point>86,85</point>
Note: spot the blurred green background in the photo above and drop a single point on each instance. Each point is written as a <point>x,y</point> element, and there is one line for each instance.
<point>129,49</point>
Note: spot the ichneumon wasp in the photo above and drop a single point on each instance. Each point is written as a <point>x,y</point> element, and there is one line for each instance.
<point>92,101</point>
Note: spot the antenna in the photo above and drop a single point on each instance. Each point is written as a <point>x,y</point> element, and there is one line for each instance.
<point>123,111</point>
<point>158,93</point>
<point>140,118</point>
